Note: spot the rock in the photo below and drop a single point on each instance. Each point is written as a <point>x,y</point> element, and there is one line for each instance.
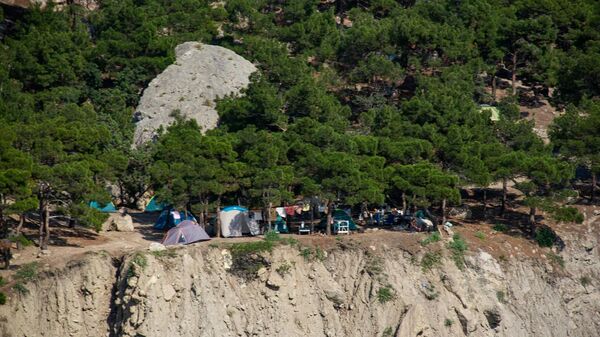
<point>168,292</point>
<point>118,222</point>
<point>275,281</point>
<point>336,296</point>
<point>156,247</point>
<point>201,74</point>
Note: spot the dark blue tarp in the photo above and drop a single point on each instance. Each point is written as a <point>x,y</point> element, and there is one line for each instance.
<point>170,218</point>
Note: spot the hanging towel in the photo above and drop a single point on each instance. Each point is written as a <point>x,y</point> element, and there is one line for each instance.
<point>289,210</point>
<point>280,211</point>
<point>306,208</point>
<point>176,215</point>
<point>257,215</point>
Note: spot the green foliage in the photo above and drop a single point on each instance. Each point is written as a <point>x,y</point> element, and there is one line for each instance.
<point>253,247</point>
<point>448,322</point>
<point>284,269</point>
<point>272,236</point>
<point>385,294</point>
<point>501,296</point>
<point>22,240</point>
<point>433,237</point>
<point>20,288</point>
<point>585,281</point>
<point>374,266</point>
<point>556,259</point>
<point>2,281</point>
<point>27,272</point>
<point>388,332</point>
<point>545,237</point>
<point>499,227</point>
<point>458,246</point>
<point>431,260</point>
<point>480,235</point>
<point>167,253</point>
<point>311,254</point>
<point>2,298</point>
<point>568,214</point>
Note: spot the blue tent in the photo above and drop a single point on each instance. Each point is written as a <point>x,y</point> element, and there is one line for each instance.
<point>338,214</point>
<point>170,218</point>
<point>154,206</point>
<point>108,208</point>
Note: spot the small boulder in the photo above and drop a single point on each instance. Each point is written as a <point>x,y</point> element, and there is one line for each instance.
<point>118,222</point>
<point>156,247</point>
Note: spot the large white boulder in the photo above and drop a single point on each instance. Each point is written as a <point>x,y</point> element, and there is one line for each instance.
<point>201,74</point>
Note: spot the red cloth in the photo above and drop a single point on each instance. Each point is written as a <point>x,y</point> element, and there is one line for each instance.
<point>289,210</point>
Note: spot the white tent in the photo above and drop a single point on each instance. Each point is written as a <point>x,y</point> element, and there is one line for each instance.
<point>236,222</point>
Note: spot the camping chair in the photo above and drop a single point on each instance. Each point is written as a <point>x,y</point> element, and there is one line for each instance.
<point>303,229</point>
<point>342,227</point>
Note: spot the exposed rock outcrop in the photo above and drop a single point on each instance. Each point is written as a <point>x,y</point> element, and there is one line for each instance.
<point>88,4</point>
<point>190,292</point>
<point>201,74</point>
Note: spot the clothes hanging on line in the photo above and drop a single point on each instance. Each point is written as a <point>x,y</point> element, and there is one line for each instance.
<point>281,211</point>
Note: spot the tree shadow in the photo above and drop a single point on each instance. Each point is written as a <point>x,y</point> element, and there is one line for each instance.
<point>145,227</point>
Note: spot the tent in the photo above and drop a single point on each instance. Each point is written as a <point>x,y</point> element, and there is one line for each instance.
<point>494,112</point>
<point>186,232</point>
<point>154,206</point>
<point>171,218</point>
<point>108,208</point>
<point>339,214</point>
<point>236,222</point>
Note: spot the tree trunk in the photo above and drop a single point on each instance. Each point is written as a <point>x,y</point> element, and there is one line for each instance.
<point>504,193</point>
<point>532,212</point>
<point>329,217</point>
<point>593,191</point>
<point>484,203</point>
<point>46,226</point>
<point>269,216</point>
<point>443,211</point>
<point>494,87</point>
<point>312,220</point>
<point>218,222</point>
<point>403,203</point>
<point>20,225</point>
<point>514,73</point>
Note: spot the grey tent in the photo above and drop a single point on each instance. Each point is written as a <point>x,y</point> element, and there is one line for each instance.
<point>186,232</point>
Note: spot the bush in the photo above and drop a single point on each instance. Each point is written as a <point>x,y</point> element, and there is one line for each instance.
<point>27,272</point>
<point>388,332</point>
<point>374,266</point>
<point>501,296</point>
<point>284,269</point>
<point>20,288</point>
<point>448,322</point>
<point>2,298</point>
<point>22,240</point>
<point>585,281</point>
<point>167,253</point>
<point>306,253</point>
<point>434,237</point>
<point>252,247</point>
<point>556,259</point>
<point>2,281</point>
<point>458,246</point>
<point>272,236</point>
<point>500,227</point>
<point>431,260</point>
<point>545,237</point>
<point>385,294</point>
<point>567,214</point>
<point>480,235</point>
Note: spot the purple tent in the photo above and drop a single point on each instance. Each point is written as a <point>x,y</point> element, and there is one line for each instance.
<point>186,232</point>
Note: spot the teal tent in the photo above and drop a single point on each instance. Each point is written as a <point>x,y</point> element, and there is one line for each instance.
<point>108,208</point>
<point>170,218</point>
<point>339,214</point>
<point>154,206</point>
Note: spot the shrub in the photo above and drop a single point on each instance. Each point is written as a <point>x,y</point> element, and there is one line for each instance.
<point>309,254</point>
<point>556,259</point>
<point>448,322</point>
<point>434,237</point>
<point>501,296</point>
<point>545,237</point>
<point>500,227</point>
<point>167,253</point>
<point>252,247</point>
<point>585,281</point>
<point>2,281</point>
<point>2,298</point>
<point>140,260</point>
<point>431,260</point>
<point>567,214</point>
<point>385,294</point>
<point>320,254</point>
<point>20,288</point>
<point>374,266</point>
<point>27,272</point>
<point>480,235</point>
<point>458,246</point>
<point>388,332</point>
<point>272,236</point>
<point>284,269</point>
<point>289,241</point>
<point>306,253</point>
<point>22,240</point>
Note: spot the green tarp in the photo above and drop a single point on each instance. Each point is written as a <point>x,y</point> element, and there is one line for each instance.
<point>108,208</point>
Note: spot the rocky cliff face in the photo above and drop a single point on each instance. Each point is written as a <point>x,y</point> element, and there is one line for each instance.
<point>350,291</point>
<point>201,74</point>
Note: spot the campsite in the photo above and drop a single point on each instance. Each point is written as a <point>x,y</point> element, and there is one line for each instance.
<point>322,168</point>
